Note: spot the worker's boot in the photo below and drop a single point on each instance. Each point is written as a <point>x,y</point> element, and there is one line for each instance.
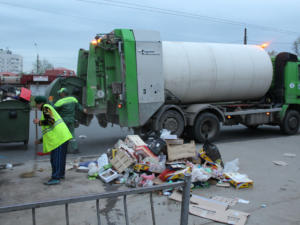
<point>52,182</point>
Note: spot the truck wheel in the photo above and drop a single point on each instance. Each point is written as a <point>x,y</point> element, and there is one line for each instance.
<point>172,120</point>
<point>291,122</point>
<point>206,123</point>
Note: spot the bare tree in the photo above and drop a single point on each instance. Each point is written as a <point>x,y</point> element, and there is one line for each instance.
<point>40,66</point>
<point>296,46</point>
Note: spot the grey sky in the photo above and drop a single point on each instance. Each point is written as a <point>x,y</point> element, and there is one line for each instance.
<point>60,28</point>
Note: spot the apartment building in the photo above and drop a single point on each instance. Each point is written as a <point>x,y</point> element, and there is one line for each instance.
<point>10,62</point>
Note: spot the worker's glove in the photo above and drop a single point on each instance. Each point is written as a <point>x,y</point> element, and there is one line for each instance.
<point>37,142</point>
<point>36,121</point>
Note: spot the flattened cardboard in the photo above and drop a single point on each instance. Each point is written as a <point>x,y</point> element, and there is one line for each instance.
<point>199,200</point>
<point>229,216</point>
<point>229,201</point>
<point>181,151</point>
<point>212,209</point>
<point>211,203</point>
<point>174,141</point>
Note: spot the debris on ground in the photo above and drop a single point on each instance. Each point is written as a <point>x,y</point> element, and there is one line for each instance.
<point>291,155</point>
<point>10,165</point>
<point>216,208</point>
<point>82,136</point>
<point>161,159</point>
<point>280,163</point>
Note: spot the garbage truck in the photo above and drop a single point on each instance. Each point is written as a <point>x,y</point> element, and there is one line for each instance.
<point>134,79</point>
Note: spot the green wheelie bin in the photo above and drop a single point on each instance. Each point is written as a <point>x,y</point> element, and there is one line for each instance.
<point>14,121</point>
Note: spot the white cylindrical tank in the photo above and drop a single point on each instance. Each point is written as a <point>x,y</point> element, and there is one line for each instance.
<point>210,72</point>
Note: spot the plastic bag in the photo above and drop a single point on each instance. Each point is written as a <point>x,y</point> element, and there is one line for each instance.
<point>200,174</point>
<point>102,161</point>
<point>231,166</point>
<point>93,169</point>
<point>166,134</point>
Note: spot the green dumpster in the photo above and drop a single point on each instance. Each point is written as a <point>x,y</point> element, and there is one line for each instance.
<point>14,117</point>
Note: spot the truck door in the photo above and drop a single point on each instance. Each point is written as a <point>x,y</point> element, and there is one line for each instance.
<point>292,83</point>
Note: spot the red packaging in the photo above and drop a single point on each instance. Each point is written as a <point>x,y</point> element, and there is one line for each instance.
<point>25,94</point>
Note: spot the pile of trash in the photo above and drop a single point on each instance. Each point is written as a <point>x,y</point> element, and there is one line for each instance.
<point>9,92</point>
<point>138,163</point>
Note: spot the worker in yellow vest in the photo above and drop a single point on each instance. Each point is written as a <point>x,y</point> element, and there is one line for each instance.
<point>67,106</point>
<point>55,138</point>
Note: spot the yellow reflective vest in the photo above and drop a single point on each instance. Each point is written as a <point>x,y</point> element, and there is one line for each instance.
<point>56,134</point>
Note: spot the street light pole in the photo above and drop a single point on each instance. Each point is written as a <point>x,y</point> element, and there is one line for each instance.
<point>37,59</point>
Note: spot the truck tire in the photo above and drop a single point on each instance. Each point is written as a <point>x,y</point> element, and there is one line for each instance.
<point>172,120</point>
<point>206,123</point>
<point>291,122</point>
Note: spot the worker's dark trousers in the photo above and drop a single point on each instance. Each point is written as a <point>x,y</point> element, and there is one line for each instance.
<point>58,161</point>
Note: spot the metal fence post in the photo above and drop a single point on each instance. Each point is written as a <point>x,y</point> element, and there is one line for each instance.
<point>125,209</point>
<point>185,200</point>
<point>152,209</point>
<point>98,212</point>
<point>67,214</point>
<point>33,216</point>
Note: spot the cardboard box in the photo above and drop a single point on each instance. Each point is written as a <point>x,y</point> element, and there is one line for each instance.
<point>25,94</point>
<point>134,141</point>
<point>174,141</point>
<point>121,161</point>
<point>239,180</point>
<point>108,175</point>
<point>181,151</point>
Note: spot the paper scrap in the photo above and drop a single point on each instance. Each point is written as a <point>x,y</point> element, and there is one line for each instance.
<point>228,201</point>
<point>240,200</point>
<point>280,163</point>
<point>291,155</point>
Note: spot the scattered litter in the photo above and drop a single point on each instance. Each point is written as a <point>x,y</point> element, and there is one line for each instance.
<point>82,136</point>
<point>213,209</point>
<point>263,206</point>
<point>9,166</point>
<point>156,145</point>
<point>167,193</point>
<point>223,184</point>
<point>239,180</point>
<point>228,201</point>
<point>82,169</point>
<point>138,163</point>
<point>280,163</point>
<point>223,216</point>
<point>231,166</point>
<point>166,134</point>
<point>291,155</point>
<point>181,151</point>
<point>122,161</point>
<point>240,200</point>
<point>200,174</point>
<point>108,175</point>
<point>93,169</point>
<point>174,141</point>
